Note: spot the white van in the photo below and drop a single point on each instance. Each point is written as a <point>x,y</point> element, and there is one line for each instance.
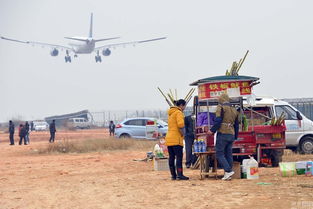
<point>299,133</point>
<point>78,123</point>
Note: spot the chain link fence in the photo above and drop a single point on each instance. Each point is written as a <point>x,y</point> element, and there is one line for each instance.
<point>103,118</point>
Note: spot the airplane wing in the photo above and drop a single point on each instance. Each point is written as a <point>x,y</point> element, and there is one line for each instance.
<point>133,43</point>
<point>33,43</point>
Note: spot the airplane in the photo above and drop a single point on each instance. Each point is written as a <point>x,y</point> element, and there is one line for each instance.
<point>87,45</point>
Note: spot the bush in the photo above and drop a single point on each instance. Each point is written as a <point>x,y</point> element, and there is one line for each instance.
<point>97,145</point>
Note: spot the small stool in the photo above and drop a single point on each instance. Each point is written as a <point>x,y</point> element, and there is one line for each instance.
<point>204,166</point>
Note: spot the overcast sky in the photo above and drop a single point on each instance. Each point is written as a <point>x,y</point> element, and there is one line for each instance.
<point>203,39</point>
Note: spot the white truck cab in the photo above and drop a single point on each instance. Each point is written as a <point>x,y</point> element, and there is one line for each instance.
<point>299,133</point>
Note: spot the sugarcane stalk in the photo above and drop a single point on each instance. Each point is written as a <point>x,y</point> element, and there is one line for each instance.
<point>190,92</point>
<point>168,102</point>
<point>242,61</point>
<point>171,98</point>
<point>176,94</point>
<point>172,95</point>
<point>190,95</point>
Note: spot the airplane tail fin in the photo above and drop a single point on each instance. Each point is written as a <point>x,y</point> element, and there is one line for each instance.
<point>90,29</point>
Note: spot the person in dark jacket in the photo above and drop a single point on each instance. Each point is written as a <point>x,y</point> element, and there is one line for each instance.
<point>189,138</point>
<point>52,131</point>
<point>27,132</point>
<point>227,126</point>
<point>11,131</point>
<point>111,128</point>
<point>22,134</point>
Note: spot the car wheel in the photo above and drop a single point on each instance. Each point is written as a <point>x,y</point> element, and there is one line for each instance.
<point>306,145</point>
<point>124,136</point>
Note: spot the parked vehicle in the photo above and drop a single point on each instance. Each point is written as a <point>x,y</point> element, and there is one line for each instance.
<point>299,129</point>
<point>40,126</point>
<point>137,127</point>
<point>78,123</point>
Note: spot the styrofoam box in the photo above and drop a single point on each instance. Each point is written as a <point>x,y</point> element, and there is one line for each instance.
<point>160,164</point>
<point>301,164</point>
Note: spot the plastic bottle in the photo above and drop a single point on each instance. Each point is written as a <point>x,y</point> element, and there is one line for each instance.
<point>203,146</point>
<point>244,168</point>
<point>196,146</point>
<point>200,145</point>
<point>252,169</point>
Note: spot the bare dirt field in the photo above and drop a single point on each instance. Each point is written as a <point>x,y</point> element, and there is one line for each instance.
<point>112,179</point>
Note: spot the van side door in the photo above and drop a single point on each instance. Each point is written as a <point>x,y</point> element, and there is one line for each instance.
<point>293,125</point>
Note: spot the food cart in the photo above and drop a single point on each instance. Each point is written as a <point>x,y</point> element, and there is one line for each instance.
<point>257,137</point>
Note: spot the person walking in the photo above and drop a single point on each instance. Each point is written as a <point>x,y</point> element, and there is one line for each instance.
<point>11,131</point>
<point>174,139</point>
<point>226,125</point>
<point>27,132</point>
<point>22,134</point>
<point>52,131</point>
<point>112,128</point>
<point>189,138</point>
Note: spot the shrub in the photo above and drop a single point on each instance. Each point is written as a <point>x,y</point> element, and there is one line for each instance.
<point>97,145</point>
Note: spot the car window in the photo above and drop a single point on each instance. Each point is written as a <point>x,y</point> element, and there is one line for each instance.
<point>162,123</point>
<point>290,113</point>
<point>136,122</point>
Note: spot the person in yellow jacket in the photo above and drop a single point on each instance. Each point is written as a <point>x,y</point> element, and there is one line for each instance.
<point>174,139</point>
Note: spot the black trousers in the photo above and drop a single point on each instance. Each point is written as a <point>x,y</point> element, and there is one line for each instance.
<point>52,135</point>
<point>112,132</point>
<point>11,138</point>
<point>21,140</point>
<point>175,152</point>
<point>188,147</point>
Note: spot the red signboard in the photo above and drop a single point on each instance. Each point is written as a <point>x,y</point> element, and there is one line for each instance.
<point>212,90</point>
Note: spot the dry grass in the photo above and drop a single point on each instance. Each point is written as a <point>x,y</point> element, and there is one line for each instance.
<point>290,156</point>
<point>97,145</point>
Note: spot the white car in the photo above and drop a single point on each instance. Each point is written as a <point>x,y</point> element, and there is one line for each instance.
<point>40,126</point>
<point>138,128</point>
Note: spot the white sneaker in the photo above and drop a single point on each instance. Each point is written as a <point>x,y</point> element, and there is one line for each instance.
<point>228,175</point>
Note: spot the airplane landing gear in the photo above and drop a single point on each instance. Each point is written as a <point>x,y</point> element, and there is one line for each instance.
<point>75,55</point>
<point>98,58</point>
<point>68,58</point>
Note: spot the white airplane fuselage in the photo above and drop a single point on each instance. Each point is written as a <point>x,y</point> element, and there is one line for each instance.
<point>83,47</point>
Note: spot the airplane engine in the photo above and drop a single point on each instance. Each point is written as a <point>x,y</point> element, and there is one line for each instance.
<point>106,52</point>
<point>54,52</point>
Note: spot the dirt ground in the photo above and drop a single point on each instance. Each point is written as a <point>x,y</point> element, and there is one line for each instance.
<point>112,179</point>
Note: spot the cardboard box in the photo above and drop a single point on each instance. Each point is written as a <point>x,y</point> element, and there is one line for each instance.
<point>236,169</point>
<point>160,164</point>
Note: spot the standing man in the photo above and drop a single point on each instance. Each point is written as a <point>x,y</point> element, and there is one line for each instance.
<point>52,131</point>
<point>112,128</point>
<point>22,134</point>
<point>11,131</point>
<point>27,132</point>
<point>226,124</point>
<point>189,138</point>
